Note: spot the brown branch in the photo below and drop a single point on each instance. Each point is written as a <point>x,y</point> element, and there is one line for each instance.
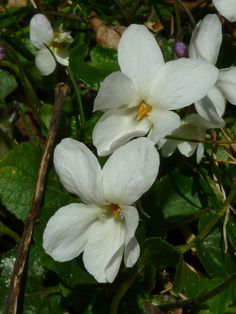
<point>61,91</point>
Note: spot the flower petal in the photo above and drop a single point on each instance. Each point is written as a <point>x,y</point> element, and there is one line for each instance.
<point>139,56</point>
<point>115,128</point>
<point>45,62</point>
<point>132,252</point>
<point>227,83</point>
<point>79,171</point>
<point>132,249</point>
<point>212,106</point>
<point>130,171</point>
<point>206,39</point>
<point>164,123</point>
<point>65,234</point>
<point>227,8</point>
<point>116,91</point>
<point>62,55</point>
<point>200,152</point>
<point>41,31</point>
<point>106,238</point>
<point>188,81</point>
<point>131,221</point>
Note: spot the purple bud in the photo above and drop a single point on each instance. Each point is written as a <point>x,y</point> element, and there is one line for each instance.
<point>2,53</point>
<point>180,49</point>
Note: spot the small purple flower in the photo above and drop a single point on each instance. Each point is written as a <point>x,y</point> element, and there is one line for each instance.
<point>2,53</point>
<point>180,49</point>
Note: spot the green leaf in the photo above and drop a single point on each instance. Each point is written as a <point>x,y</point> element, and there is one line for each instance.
<point>93,72</point>
<point>7,85</point>
<point>176,196</point>
<point>211,254</point>
<point>158,252</point>
<point>38,299</point>
<point>18,173</point>
<point>192,284</point>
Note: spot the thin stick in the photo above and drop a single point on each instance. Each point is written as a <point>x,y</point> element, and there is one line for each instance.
<point>61,91</point>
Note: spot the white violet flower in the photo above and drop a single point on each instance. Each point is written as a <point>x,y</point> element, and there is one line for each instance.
<point>227,8</point>
<point>104,227</point>
<point>205,43</point>
<point>192,127</point>
<point>52,45</point>
<point>139,99</point>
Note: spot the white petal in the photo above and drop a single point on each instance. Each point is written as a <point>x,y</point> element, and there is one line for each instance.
<point>200,152</point>
<point>132,252</point>
<point>113,266</point>
<point>65,234</point>
<point>206,39</point>
<point>106,237</point>
<point>188,81</point>
<point>132,249</point>
<point>227,83</point>
<point>115,128</point>
<point>201,123</point>
<point>139,56</point>
<point>227,8</point>
<point>212,106</point>
<point>116,91</point>
<point>41,31</point>
<point>62,55</point>
<point>79,171</point>
<point>45,62</point>
<point>164,123</point>
<point>169,147</point>
<point>131,221</point>
<point>130,171</point>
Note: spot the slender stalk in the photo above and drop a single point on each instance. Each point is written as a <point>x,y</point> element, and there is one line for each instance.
<point>9,232</point>
<point>78,98</point>
<point>188,12</point>
<point>61,91</point>
<point>211,224</point>
<point>178,18</point>
<point>123,289</point>
<point>179,138</point>
<point>200,298</point>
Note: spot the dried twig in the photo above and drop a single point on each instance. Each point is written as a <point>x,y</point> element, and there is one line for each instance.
<point>61,91</point>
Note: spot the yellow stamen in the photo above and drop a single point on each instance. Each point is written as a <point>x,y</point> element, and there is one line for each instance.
<point>116,211</point>
<point>143,110</point>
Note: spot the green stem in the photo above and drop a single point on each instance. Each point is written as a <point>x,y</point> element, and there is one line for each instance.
<point>178,18</point>
<point>200,298</point>
<point>10,233</point>
<point>184,139</point>
<point>123,289</point>
<point>78,98</point>
<point>188,12</point>
<point>211,224</point>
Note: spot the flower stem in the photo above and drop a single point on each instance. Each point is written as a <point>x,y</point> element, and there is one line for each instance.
<point>78,98</point>
<point>200,298</point>
<point>123,289</point>
<point>9,232</point>
<point>179,138</point>
<point>211,224</point>
<point>188,12</point>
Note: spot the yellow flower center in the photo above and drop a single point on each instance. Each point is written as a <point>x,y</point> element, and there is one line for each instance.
<point>116,211</point>
<point>143,110</point>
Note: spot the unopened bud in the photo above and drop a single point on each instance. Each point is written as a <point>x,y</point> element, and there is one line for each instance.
<point>2,53</point>
<point>180,49</point>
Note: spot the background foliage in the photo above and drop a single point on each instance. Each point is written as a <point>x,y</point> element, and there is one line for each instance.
<point>188,234</point>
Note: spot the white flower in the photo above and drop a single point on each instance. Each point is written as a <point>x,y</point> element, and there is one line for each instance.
<point>104,227</point>
<point>139,98</point>
<point>192,127</point>
<point>227,8</point>
<point>44,38</point>
<point>205,43</point>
